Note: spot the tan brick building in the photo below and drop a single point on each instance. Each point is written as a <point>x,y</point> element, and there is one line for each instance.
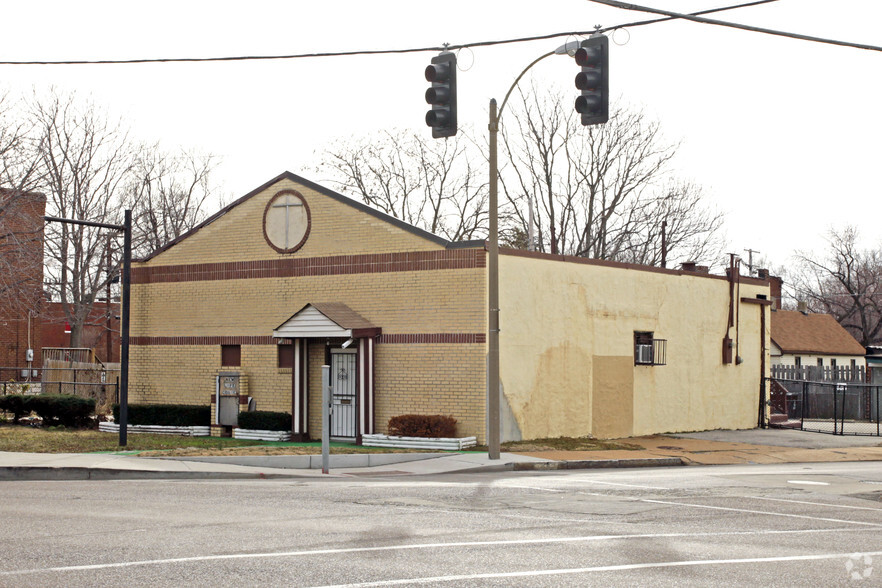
<point>246,308</point>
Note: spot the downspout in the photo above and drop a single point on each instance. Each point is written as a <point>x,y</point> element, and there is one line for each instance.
<point>737,277</point>
<point>761,421</point>
<point>727,341</point>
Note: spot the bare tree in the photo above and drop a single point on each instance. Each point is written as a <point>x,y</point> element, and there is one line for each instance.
<point>84,161</point>
<point>846,283</point>
<point>601,191</point>
<point>434,185</point>
<point>168,194</point>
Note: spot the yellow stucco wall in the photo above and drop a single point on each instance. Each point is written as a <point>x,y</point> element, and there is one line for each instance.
<point>567,350</point>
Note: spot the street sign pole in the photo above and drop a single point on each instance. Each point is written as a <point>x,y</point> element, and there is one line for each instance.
<point>326,417</point>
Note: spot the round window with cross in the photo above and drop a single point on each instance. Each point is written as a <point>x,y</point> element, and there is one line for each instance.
<point>286,221</point>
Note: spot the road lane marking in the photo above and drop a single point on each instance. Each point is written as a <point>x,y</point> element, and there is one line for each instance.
<point>762,512</point>
<point>615,568</point>
<point>414,546</point>
<point>819,503</point>
<point>808,483</point>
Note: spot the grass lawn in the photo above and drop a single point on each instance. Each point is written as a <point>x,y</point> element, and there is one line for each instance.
<point>23,438</point>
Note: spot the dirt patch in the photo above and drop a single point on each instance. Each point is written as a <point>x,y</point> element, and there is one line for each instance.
<point>563,444</point>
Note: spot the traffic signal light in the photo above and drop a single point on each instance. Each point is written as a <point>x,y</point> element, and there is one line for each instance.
<point>593,80</point>
<point>442,95</point>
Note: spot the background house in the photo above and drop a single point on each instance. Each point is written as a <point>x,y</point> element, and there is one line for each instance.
<point>99,334</point>
<point>807,340</point>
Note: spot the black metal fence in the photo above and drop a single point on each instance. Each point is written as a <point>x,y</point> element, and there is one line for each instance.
<point>838,408</point>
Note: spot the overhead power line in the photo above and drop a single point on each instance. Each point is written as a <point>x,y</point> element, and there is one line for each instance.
<point>723,23</point>
<point>667,17</point>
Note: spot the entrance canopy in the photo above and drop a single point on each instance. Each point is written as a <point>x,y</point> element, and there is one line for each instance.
<point>326,319</point>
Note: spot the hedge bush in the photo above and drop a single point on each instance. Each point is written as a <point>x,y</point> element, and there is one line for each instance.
<point>265,420</point>
<point>422,425</point>
<point>54,409</point>
<point>169,415</point>
<point>62,409</point>
<point>16,405</point>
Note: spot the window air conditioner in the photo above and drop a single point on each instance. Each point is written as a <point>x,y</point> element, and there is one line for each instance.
<point>644,354</point>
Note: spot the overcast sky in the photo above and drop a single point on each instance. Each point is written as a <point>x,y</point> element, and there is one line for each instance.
<point>782,134</point>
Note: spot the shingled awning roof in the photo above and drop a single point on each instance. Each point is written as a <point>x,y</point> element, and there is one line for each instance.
<point>795,332</point>
<point>326,319</point>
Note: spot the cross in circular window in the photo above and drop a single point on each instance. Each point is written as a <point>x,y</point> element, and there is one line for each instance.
<point>286,221</point>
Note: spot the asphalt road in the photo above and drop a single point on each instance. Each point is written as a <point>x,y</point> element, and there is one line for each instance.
<point>782,525</point>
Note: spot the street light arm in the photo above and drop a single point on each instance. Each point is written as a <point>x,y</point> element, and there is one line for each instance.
<point>518,79</point>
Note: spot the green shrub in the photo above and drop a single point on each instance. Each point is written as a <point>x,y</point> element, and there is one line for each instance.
<point>61,409</point>
<point>15,404</point>
<point>422,425</point>
<point>265,420</point>
<point>169,415</point>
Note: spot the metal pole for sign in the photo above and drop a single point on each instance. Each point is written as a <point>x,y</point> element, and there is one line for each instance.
<point>123,385</point>
<point>326,416</point>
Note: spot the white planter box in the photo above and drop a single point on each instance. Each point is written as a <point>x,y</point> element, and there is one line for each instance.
<point>157,430</point>
<point>261,435</point>
<point>444,443</point>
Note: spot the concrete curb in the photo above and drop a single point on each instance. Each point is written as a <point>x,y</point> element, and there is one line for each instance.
<point>649,462</point>
<point>37,473</point>
<point>313,461</point>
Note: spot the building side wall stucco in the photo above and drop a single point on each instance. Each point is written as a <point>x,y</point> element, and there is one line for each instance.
<point>567,350</point>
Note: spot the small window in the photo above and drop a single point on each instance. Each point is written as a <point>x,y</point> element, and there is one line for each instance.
<point>853,364</point>
<point>797,361</point>
<point>231,355</point>
<point>648,350</point>
<point>286,356</point>
<point>820,362</point>
<point>833,363</point>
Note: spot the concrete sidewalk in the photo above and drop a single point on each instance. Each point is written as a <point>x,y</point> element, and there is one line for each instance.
<point>707,448</point>
<point>94,466</point>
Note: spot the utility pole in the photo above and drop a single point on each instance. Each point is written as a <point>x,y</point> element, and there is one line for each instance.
<point>664,244</point>
<point>750,253</point>
<point>493,297</point>
<point>493,384</point>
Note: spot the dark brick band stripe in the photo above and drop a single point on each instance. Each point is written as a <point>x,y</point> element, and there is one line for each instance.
<point>467,338</point>
<point>434,338</point>
<point>313,266</point>
<point>210,340</point>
